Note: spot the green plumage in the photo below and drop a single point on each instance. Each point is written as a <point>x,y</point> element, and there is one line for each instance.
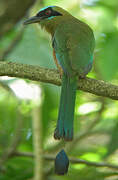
<point>66,110</point>
<point>73,42</point>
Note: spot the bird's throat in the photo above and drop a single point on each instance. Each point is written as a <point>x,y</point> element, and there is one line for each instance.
<point>51,26</point>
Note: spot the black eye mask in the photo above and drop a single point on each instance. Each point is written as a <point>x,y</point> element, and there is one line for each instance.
<point>48,13</point>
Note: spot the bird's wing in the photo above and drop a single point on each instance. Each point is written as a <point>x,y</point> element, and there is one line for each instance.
<point>62,55</point>
<point>74,48</point>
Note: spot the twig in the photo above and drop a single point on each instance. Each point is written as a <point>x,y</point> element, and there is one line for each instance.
<point>37,142</point>
<point>97,87</point>
<point>5,86</point>
<point>98,116</point>
<point>72,160</point>
<point>82,134</point>
<point>87,132</point>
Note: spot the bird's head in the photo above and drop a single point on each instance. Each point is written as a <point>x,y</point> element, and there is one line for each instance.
<point>48,17</point>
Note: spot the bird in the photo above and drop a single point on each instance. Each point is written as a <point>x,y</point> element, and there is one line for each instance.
<point>73,44</point>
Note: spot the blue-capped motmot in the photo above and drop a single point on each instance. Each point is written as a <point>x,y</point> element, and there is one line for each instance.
<point>73,45</point>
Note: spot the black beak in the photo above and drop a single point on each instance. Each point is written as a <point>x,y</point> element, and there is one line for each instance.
<point>34,19</point>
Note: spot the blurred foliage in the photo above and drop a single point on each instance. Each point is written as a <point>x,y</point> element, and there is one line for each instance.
<point>95,117</point>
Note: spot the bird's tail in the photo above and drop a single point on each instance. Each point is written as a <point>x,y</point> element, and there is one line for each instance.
<point>64,127</point>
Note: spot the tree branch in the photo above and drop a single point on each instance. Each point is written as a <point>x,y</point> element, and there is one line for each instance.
<point>72,160</point>
<point>37,73</point>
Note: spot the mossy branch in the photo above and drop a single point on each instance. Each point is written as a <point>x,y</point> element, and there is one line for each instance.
<point>37,73</point>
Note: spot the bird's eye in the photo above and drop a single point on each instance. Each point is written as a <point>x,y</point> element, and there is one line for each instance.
<point>48,12</point>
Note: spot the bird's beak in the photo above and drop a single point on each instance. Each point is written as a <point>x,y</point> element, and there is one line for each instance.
<point>34,19</point>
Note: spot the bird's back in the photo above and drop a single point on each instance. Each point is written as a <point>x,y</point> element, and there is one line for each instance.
<point>74,44</point>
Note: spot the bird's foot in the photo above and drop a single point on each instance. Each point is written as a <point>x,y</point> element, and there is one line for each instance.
<point>65,134</point>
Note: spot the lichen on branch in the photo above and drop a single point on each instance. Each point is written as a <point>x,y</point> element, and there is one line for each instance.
<point>37,73</point>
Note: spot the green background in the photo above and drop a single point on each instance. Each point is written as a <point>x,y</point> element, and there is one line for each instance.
<point>96,118</point>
